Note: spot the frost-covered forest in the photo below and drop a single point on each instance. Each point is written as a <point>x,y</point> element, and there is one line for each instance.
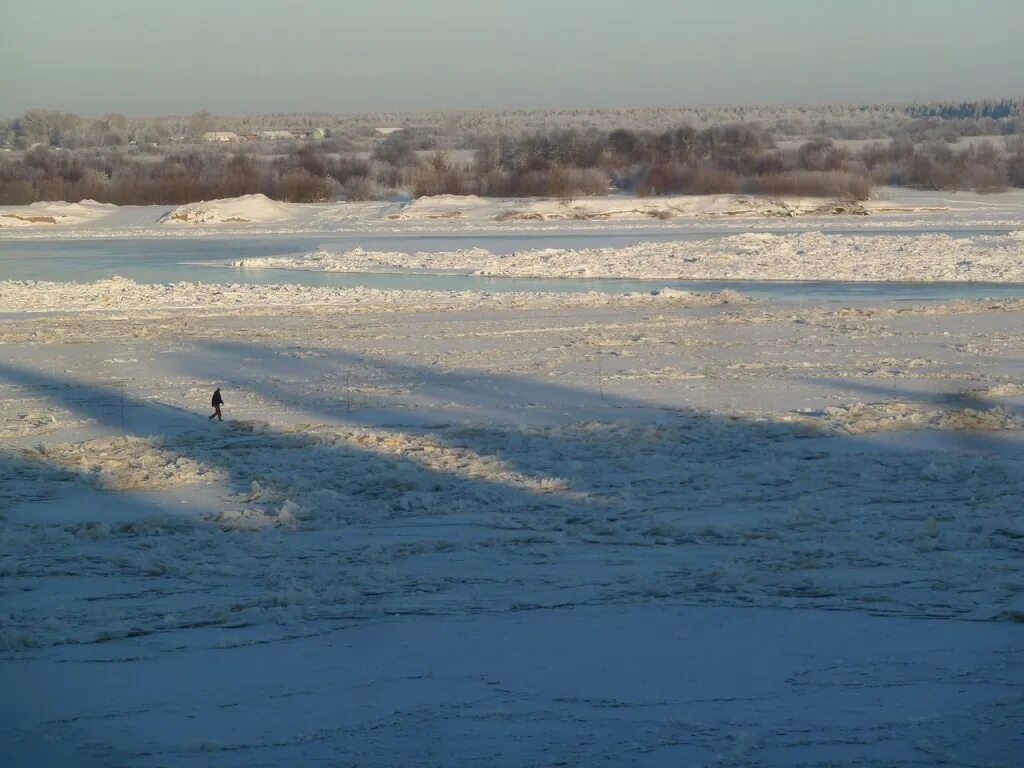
<point>832,151</point>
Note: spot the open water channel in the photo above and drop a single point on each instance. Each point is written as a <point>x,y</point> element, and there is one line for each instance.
<point>203,259</point>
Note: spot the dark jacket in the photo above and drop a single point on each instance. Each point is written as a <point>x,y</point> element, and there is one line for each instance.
<point>217,399</point>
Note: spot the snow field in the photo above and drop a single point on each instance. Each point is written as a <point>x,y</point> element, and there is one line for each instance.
<point>654,529</point>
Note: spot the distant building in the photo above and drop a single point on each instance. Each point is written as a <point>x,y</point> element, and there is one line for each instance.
<point>387,131</point>
<point>318,134</point>
<point>251,137</point>
<point>220,136</point>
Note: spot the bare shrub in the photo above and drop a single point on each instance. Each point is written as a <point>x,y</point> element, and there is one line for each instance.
<point>1015,169</point>
<point>710,181</point>
<point>987,179</point>
<point>347,167</point>
<point>300,187</point>
<point>359,188</point>
<point>677,179</point>
<point>839,184</point>
<point>926,172</point>
<point>664,180</point>
<point>820,155</point>
<point>570,183</point>
<point>563,183</point>
<point>440,177</point>
<point>16,192</point>
<point>396,149</point>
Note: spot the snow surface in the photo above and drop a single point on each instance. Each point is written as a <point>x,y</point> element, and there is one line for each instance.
<point>444,528</point>
<point>750,256</point>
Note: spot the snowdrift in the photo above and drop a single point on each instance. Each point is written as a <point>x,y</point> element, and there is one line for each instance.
<point>54,213</point>
<point>258,209</point>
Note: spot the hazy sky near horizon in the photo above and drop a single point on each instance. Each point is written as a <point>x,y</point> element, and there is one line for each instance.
<point>232,57</point>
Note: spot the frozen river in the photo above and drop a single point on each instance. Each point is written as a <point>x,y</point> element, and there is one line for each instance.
<point>509,529</point>
<point>429,533</point>
<point>166,260</point>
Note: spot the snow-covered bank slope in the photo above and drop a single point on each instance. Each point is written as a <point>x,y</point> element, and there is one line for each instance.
<point>256,214</point>
<point>615,208</point>
<point>808,256</point>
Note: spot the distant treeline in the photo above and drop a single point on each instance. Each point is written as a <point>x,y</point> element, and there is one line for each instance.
<point>995,109</point>
<point>47,174</point>
<point>945,120</point>
<point>736,158</point>
<point>721,159</point>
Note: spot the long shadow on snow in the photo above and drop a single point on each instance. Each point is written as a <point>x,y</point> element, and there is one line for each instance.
<point>345,482</point>
<point>616,494</point>
<point>689,472</point>
<point>24,480</point>
<point>383,476</point>
<point>716,465</point>
<point>474,393</point>
<point>470,397</point>
<point>709,464</point>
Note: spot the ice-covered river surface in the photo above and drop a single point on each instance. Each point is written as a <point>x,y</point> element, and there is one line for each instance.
<point>452,529</point>
<point>209,260</point>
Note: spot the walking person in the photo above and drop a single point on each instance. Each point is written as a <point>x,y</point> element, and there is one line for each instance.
<point>217,402</point>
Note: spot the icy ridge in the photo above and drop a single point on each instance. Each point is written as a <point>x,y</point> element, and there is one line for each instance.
<point>122,293</point>
<point>750,256</point>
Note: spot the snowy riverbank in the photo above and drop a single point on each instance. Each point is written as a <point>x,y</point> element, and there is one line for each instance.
<point>256,214</point>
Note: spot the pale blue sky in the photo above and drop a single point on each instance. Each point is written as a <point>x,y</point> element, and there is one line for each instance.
<point>228,56</point>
